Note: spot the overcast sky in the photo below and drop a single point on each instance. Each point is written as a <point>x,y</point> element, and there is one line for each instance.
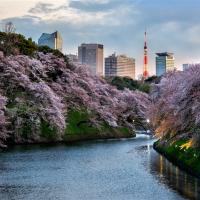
<point>172,25</point>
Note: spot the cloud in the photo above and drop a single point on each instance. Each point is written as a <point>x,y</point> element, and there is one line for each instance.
<point>94,6</point>
<point>45,8</point>
<point>119,25</point>
<point>85,12</point>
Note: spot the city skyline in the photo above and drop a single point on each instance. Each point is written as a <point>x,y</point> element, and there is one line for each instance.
<point>119,25</point>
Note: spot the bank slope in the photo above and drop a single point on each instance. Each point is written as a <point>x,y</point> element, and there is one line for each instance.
<point>175,116</point>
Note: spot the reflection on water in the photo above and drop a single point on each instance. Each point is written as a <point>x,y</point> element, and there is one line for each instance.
<point>97,170</point>
<point>168,174</point>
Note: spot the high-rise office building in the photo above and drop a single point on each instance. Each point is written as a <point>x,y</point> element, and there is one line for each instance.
<point>120,65</point>
<point>164,63</point>
<point>92,56</point>
<point>53,40</point>
<point>186,66</point>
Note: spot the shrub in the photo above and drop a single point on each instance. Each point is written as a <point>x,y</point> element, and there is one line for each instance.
<point>125,82</point>
<point>12,43</point>
<point>48,131</point>
<point>15,44</point>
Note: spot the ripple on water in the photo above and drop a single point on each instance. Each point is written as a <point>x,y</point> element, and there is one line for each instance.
<point>97,170</point>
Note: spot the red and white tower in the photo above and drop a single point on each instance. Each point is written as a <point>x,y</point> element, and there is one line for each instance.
<point>145,69</point>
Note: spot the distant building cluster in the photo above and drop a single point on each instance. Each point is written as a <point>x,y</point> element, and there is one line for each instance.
<point>92,55</point>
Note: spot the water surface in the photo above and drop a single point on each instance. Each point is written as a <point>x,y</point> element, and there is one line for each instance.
<point>126,169</point>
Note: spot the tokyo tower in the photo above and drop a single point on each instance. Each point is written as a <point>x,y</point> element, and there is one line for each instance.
<point>145,69</point>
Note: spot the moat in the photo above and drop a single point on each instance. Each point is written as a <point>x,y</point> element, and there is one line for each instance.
<point>100,170</point>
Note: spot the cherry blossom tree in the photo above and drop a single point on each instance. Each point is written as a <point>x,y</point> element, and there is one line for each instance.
<point>51,87</point>
<point>3,131</point>
<point>175,107</point>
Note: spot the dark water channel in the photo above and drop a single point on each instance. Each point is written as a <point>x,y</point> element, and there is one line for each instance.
<point>126,169</point>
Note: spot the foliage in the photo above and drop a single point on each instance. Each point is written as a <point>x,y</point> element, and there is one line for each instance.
<point>145,87</point>
<point>186,158</point>
<point>79,123</point>
<point>3,131</point>
<point>23,119</point>
<point>153,79</point>
<point>125,82</point>
<point>12,43</point>
<point>26,128</point>
<point>48,88</point>
<point>47,131</point>
<point>17,44</point>
<point>174,110</point>
<point>46,49</point>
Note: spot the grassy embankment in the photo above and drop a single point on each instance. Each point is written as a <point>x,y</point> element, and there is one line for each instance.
<point>181,154</point>
<point>80,127</point>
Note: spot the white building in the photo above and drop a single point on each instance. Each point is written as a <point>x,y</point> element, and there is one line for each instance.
<point>120,65</point>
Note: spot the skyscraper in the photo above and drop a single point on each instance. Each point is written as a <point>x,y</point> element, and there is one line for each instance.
<point>164,63</point>
<point>120,65</point>
<point>145,69</point>
<point>92,55</point>
<point>53,40</point>
<point>186,66</point>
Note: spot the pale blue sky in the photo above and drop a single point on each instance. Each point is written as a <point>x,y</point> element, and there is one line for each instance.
<point>172,25</point>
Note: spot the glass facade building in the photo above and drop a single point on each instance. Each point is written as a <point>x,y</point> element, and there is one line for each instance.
<point>92,55</point>
<point>186,66</point>
<point>164,63</point>
<point>53,40</point>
